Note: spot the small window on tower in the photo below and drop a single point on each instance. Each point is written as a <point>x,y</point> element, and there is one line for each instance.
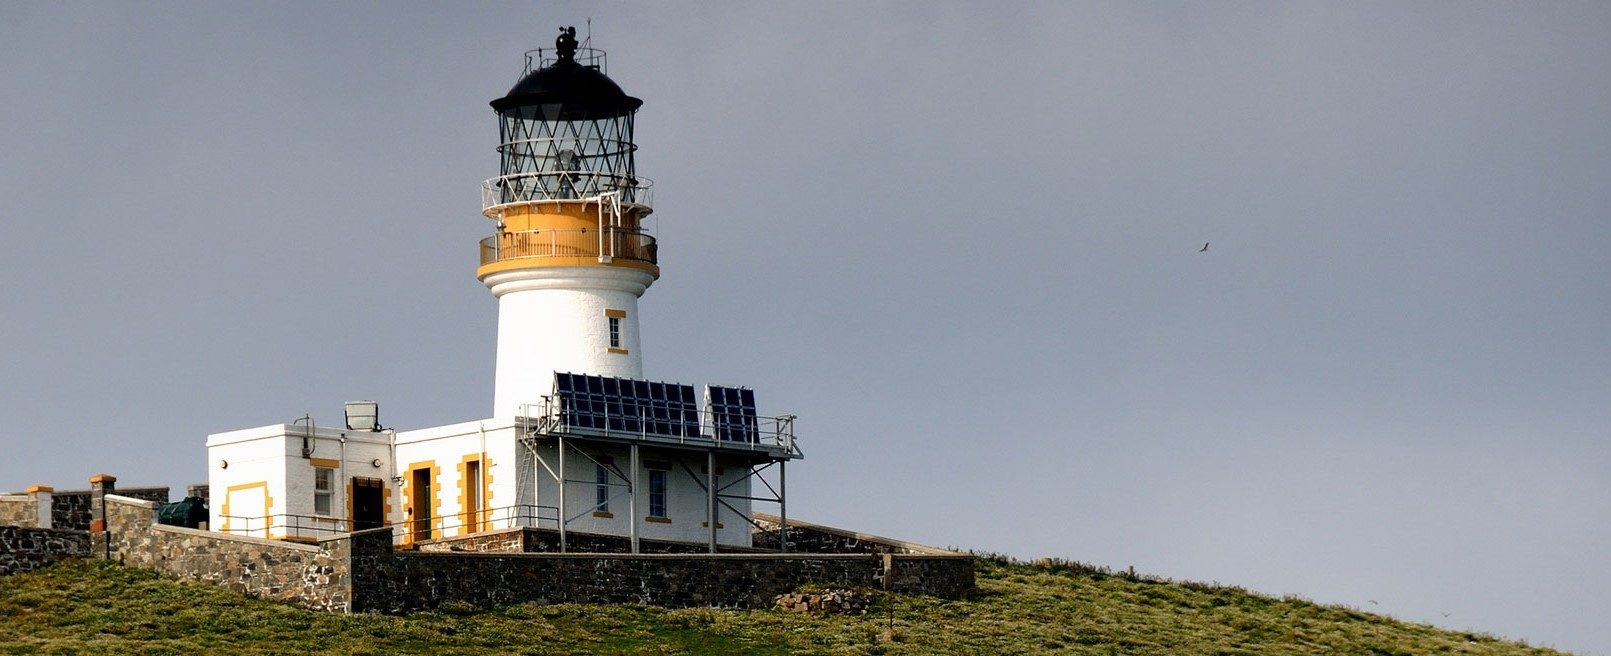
<point>614,317</point>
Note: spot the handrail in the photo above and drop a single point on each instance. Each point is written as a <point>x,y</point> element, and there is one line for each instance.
<point>593,58</point>
<point>537,186</point>
<point>622,243</point>
<point>290,526</point>
<point>286,525</point>
<point>489,519</point>
<point>766,434</point>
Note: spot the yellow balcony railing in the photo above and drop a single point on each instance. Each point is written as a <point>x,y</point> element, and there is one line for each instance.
<point>611,243</point>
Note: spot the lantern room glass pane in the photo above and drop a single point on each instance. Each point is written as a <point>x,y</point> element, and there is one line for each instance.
<point>545,156</point>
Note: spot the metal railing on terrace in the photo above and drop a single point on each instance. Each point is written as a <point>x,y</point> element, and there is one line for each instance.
<point>535,186</point>
<point>313,527</point>
<point>491,519</point>
<point>609,242</point>
<point>664,425</point>
<point>307,527</point>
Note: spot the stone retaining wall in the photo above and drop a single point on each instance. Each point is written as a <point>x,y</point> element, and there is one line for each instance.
<point>362,572</point>
<point>545,540</point>
<point>314,576</point>
<point>71,508</point>
<point>815,538</point>
<point>388,581</point>
<point>19,510</point>
<point>24,549</point>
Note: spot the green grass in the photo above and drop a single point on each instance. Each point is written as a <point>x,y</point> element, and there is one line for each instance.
<point>101,608</point>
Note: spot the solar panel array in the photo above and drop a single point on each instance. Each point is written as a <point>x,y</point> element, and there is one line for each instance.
<point>732,413</point>
<point>607,403</point>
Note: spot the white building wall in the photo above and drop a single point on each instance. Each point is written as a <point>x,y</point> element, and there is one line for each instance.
<point>263,481</point>
<point>685,504</point>
<point>443,450</point>
<point>555,319</point>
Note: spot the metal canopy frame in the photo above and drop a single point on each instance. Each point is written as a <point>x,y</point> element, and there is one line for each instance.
<point>755,464</point>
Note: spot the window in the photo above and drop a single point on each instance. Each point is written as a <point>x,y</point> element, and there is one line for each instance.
<point>613,318</point>
<point>601,495</point>
<point>323,484</point>
<point>657,493</point>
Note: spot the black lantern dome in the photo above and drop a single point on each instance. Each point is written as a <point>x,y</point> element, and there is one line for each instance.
<point>581,92</point>
<point>566,129</point>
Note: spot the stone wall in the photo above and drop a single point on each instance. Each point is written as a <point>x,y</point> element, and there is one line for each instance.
<point>26,549</point>
<point>388,581</point>
<point>314,576</point>
<point>362,572</point>
<point>806,537</point>
<point>946,577</point>
<point>545,540</point>
<point>71,508</point>
<point>18,510</point>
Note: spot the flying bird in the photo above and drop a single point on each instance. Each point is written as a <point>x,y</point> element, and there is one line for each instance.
<point>1373,602</point>
<point>1204,249</point>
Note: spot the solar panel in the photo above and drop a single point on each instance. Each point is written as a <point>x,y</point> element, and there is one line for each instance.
<point>622,405</point>
<point>732,413</point>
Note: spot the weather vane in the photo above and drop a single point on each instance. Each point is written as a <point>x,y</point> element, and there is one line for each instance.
<point>565,45</point>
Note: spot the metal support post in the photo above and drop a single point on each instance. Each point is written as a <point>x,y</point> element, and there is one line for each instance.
<point>632,500</point>
<point>710,496</point>
<point>562,522</point>
<point>783,507</point>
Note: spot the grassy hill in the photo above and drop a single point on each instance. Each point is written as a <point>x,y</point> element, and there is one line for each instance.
<point>100,608</point>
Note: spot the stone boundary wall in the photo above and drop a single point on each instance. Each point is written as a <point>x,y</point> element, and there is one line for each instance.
<point>815,538</point>
<point>388,581</point>
<point>545,540</point>
<point>19,510</point>
<point>24,549</point>
<point>363,572</point>
<point>313,576</point>
<point>71,508</point>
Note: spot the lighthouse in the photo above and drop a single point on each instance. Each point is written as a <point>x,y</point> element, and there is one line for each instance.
<point>579,443</point>
<point>569,256</point>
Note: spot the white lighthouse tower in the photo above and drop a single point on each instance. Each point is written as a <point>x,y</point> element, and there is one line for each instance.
<point>579,442</point>
<point>569,257</point>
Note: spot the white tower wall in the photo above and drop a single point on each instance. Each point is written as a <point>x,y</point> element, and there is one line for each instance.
<point>558,319</point>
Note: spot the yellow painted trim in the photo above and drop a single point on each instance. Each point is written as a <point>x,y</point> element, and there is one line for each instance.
<point>408,498</point>
<point>620,351</point>
<point>658,520</point>
<point>615,314</point>
<point>102,478</point>
<point>707,525</point>
<point>515,263</point>
<point>328,463</point>
<point>559,214</point>
<point>603,514</point>
<point>473,524</point>
<point>268,504</point>
<point>36,489</point>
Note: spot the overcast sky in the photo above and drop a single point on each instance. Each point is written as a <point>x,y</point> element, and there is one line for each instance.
<point>961,242</point>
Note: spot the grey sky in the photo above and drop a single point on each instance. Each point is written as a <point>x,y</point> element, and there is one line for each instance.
<point>960,243</point>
